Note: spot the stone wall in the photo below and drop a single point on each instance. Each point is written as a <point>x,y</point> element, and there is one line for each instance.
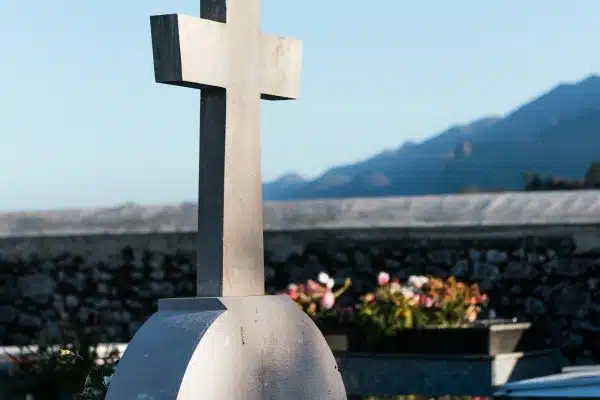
<point>550,274</point>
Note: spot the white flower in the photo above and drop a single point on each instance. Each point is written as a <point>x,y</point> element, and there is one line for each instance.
<point>417,281</point>
<point>407,292</point>
<point>330,283</point>
<point>323,278</point>
<point>413,280</point>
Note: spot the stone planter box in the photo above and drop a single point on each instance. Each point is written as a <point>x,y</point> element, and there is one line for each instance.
<point>440,375</point>
<point>485,338</point>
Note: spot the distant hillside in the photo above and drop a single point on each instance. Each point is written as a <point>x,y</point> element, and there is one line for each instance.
<point>565,150</point>
<point>279,188</point>
<point>557,134</point>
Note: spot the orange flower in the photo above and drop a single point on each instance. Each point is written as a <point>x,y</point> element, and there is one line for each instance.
<point>368,298</point>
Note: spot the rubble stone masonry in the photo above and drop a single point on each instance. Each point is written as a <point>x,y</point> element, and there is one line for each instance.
<point>547,275</point>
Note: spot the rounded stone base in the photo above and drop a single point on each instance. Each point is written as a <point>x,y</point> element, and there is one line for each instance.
<point>229,348</point>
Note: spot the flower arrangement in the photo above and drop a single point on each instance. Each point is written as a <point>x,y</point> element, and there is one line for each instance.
<point>422,302</point>
<point>319,300</point>
<point>388,308</point>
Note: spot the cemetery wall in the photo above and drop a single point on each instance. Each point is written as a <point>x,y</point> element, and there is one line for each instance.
<point>538,258</point>
<point>548,275</point>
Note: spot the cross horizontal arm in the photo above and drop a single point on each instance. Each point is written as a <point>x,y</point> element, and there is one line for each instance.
<point>194,52</point>
<point>188,51</point>
<point>282,63</point>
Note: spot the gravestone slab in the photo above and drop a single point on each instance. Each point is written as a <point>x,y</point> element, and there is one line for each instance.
<point>228,348</point>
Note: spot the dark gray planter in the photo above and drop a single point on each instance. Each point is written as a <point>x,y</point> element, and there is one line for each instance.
<point>484,338</point>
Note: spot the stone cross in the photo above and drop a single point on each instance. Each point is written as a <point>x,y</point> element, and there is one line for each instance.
<point>231,341</point>
<point>225,54</point>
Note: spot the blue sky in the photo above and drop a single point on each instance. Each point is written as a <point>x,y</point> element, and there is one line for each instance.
<point>82,122</point>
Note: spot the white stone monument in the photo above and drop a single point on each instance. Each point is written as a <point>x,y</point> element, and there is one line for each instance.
<point>231,342</point>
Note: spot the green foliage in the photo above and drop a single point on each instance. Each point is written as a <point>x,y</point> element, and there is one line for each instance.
<point>386,310</point>
<point>59,365</point>
<point>591,180</point>
<point>96,383</point>
<point>592,176</point>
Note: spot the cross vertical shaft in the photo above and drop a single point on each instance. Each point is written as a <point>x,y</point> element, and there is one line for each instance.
<point>213,120</point>
<point>230,223</point>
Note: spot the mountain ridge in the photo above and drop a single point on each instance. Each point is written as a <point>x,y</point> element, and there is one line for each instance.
<point>490,153</point>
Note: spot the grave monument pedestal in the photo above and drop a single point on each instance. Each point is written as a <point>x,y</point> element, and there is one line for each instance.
<point>250,348</point>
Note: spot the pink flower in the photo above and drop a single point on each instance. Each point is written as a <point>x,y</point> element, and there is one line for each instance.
<point>426,301</point>
<point>383,278</point>
<point>414,300</point>
<point>292,291</point>
<point>328,300</point>
<point>313,287</point>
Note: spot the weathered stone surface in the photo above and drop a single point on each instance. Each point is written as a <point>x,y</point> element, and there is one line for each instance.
<point>587,242</point>
<point>486,271</point>
<point>442,256</point>
<point>38,286</point>
<point>518,270</point>
<point>281,248</point>
<point>496,257</point>
<point>460,269</point>
<point>572,299</point>
<point>543,292</point>
<point>534,307</point>
<point>8,314</point>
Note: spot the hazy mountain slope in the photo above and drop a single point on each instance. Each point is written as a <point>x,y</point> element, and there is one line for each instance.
<point>279,188</point>
<point>564,150</point>
<point>551,134</point>
<point>411,169</point>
